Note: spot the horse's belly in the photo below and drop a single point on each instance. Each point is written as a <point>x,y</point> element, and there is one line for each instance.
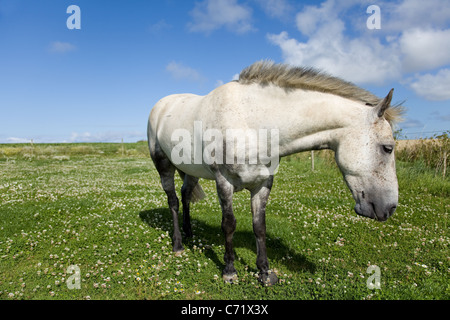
<point>196,170</point>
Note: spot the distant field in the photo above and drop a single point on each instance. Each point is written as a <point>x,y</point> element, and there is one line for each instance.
<point>409,144</point>
<point>99,208</point>
<point>430,153</point>
<point>404,144</point>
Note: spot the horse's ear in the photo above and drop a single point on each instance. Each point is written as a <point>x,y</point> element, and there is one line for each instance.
<point>384,104</point>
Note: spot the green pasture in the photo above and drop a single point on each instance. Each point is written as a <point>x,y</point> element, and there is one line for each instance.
<point>100,208</point>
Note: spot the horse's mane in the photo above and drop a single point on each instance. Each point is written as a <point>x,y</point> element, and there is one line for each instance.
<point>289,77</point>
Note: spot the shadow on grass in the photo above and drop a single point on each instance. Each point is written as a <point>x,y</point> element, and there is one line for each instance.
<point>276,249</point>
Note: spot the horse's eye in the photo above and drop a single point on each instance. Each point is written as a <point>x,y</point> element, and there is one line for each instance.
<point>388,149</point>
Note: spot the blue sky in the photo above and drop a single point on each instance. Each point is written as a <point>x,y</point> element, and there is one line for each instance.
<point>100,82</point>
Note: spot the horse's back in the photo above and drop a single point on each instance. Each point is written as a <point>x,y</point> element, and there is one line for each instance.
<point>181,110</point>
<point>169,106</point>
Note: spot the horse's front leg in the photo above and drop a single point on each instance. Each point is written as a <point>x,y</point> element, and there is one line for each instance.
<point>225,192</point>
<point>260,196</point>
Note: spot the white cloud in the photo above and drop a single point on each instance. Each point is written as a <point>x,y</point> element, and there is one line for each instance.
<point>363,60</point>
<point>411,14</point>
<point>311,17</point>
<point>425,49</point>
<point>358,60</point>
<point>420,43</point>
<point>433,87</point>
<point>211,15</point>
<point>276,8</point>
<point>159,27</point>
<point>106,136</point>
<point>182,72</point>
<point>412,123</point>
<point>61,47</point>
<point>14,140</point>
<point>219,83</point>
<point>440,117</point>
<point>82,137</point>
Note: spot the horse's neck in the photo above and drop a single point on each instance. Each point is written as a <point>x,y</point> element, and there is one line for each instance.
<point>316,121</point>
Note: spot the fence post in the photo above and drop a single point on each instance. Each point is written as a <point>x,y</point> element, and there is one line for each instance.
<point>444,171</point>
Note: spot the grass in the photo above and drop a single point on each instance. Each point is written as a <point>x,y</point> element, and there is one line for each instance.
<point>101,207</point>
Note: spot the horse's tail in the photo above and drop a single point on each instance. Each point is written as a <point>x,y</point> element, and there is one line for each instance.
<point>197,193</point>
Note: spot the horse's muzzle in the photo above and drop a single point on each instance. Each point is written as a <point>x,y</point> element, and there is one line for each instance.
<point>374,211</point>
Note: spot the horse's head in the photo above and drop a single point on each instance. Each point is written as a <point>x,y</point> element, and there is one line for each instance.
<point>365,156</point>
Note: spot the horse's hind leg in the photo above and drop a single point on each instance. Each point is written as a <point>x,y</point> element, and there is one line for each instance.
<point>186,195</point>
<point>166,171</point>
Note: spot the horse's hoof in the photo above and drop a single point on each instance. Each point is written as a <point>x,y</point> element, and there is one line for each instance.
<point>230,278</point>
<point>178,250</point>
<point>178,253</point>
<point>268,279</point>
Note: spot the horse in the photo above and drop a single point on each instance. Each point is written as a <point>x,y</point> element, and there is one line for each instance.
<point>304,109</point>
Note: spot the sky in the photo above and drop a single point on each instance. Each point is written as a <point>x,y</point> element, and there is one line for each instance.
<point>94,76</point>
